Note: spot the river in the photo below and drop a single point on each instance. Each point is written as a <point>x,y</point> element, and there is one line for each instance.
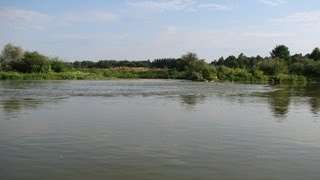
<point>158,129</point>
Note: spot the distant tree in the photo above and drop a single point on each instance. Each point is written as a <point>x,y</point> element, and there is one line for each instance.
<point>58,65</point>
<point>273,66</point>
<point>218,62</point>
<point>87,64</point>
<point>282,52</point>
<point>198,70</point>
<point>170,63</point>
<point>312,69</point>
<point>231,61</point>
<point>190,59</point>
<point>315,55</point>
<point>76,64</point>
<point>242,60</point>
<point>9,55</point>
<point>32,62</point>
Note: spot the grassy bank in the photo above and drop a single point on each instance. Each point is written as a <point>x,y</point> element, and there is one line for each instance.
<point>136,73</point>
<point>279,68</point>
<point>72,75</point>
<point>223,74</point>
<point>95,74</point>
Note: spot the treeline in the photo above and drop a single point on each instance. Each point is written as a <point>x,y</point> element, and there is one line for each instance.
<point>189,66</point>
<point>164,63</point>
<point>279,67</point>
<point>280,62</point>
<point>13,58</point>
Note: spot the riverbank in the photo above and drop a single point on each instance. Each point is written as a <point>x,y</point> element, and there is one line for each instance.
<point>227,74</point>
<point>95,74</point>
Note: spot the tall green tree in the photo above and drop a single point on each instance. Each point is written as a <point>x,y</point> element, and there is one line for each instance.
<point>273,66</point>
<point>282,52</point>
<point>58,65</point>
<point>190,59</point>
<point>315,55</point>
<point>198,70</point>
<point>9,55</point>
<point>32,62</point>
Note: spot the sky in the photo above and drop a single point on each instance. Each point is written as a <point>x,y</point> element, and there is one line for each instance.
<point>149,29</point>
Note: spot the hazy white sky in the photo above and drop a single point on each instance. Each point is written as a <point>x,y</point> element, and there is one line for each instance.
<point>149,29</point>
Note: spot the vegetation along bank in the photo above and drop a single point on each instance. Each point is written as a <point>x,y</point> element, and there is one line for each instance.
<point>279,67</point>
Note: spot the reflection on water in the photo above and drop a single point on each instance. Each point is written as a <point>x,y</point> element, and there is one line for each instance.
<point>158,129</point>
<point>279,101</point>
<point>314,94</point>
<point>14,105</point>
<point>11,106</point>
<point>190,101</point>
<point>18,95</point>
<point>281,97</point>
<point>315,104</point>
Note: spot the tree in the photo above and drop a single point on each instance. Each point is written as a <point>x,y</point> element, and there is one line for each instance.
<point>231,61</point>
<point>9,55</point>
<point>58,65</point>
<point>273,66</point>
<point>198,70</point>
<point>32,62</point>
<point>282,52</point>
<point>315,55</point>
<point>190,60</point>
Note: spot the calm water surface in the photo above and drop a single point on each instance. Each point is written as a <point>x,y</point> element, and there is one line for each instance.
<point>156,129</point>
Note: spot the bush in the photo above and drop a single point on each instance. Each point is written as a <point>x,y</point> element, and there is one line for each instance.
<point>57,65</point>
<point>273,66</point>
<point>242,75</point>
<point>286,78</point>
<point>297,68</point>
<point>32,62</point>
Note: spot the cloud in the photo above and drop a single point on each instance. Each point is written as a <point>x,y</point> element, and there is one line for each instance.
<point>273,2</point>
<point>93,16</point>
<point>306,18</point>
<point>179,5</point>
<point>215,7</point>
<point>26,19</point>
<point>171,30</point>
<point>21,19</point>
<point>265,34</point>
<point>166,5</point>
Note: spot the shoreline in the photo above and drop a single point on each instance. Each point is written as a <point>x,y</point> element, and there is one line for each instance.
<point>151,75</point>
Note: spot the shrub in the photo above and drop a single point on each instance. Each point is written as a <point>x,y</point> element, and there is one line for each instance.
<point>273,66</point>
<point>57,65</point>
<point>32,62</point>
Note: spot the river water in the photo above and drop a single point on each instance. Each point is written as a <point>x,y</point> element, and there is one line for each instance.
<point>158,129</point>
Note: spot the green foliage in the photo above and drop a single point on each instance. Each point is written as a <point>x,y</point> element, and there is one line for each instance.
<point>189,60</point>
<point>32,62</point>
<point>297,68</point>
<point>76,75</point>
<point>9,55</point>
<point>59,66</point>
<point>312,69</point>
<point>286,78</point>
<point>198,70</point>
<point>232,62</point>
<point>273,66</point>
<point>281,52</point>
<point>240,75</point>
<point>280,68</point>
<point>169,63</point>
<point>111,64</point>
<point>133,73</point>
<point>315,55</point>
<point>241,61</point>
